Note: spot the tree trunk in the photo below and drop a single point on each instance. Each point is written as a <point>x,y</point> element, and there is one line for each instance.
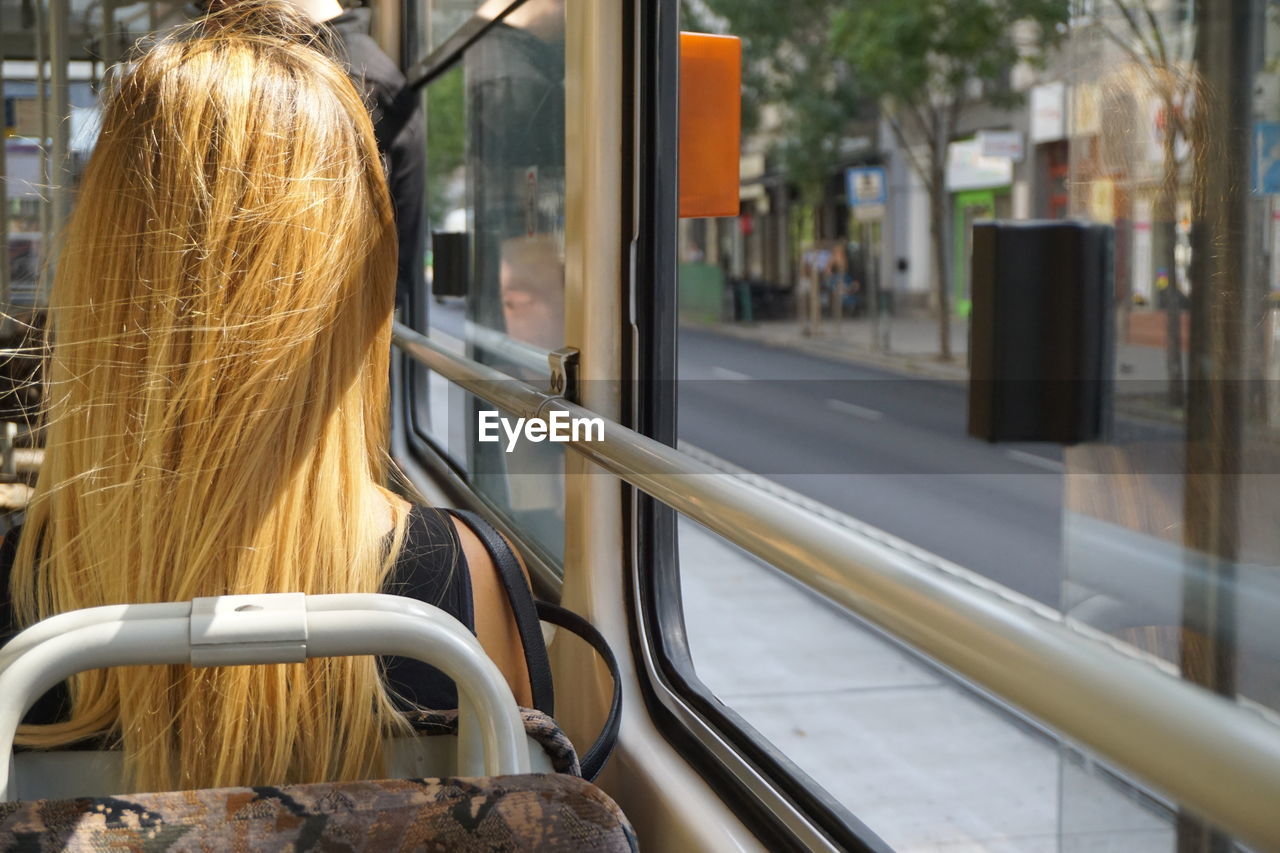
<point>805,226</point>
<point>938,233</point>
<point>1166,217</point>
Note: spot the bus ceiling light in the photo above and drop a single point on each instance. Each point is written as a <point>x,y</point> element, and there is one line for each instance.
<point>710,124</point>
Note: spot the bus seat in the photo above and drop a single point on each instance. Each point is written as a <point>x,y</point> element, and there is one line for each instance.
<point>508,807</point>
<point>522,812</point>
<point>77,773</point>
<point>551,751</point>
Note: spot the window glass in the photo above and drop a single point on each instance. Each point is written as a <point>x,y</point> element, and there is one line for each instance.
<point>924,761</point>
<point>495,126</point>
<point>42,118</point>
<point>824,356</point>
<point>1170,530</point>
<point>50,125</point>
<point>443,18</point>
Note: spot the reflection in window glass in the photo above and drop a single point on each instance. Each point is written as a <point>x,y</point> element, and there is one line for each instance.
<point>443,18</point>
<point>823,350</point>
<point>49,131</point>
<point>1172,542</point>
<point>495,127</point>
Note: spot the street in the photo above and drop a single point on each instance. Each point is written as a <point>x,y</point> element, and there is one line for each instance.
<point>887,450</point>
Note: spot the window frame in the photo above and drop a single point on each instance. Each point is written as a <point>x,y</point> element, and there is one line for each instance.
<point>768,792</point>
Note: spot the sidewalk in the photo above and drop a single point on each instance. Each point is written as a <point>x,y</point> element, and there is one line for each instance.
<point>913,348</point>
<point>925,763</point>
<point>913,343</point>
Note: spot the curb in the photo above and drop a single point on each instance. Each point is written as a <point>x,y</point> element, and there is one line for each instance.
<point>916,366</point>
<point>913,366</point>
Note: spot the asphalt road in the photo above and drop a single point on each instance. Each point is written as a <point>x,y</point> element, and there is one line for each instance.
<point>885,449</point>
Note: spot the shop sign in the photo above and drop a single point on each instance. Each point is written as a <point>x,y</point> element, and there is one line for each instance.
<point>969,169</point>
<point>23,116</point>
<point>867,191</point>
<point>750,166</point>
<point>22,161</point>
<point>1266,158</point>
<point>1001,143</point>
<point>1102,200</point>
<point>865,186</point>
<point>1157,126</point>
<point>1086,118</point>
<point>757,194</point>
<point>1048,112</point>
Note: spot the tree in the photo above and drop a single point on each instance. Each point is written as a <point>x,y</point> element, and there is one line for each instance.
<point>1160,53</point>
<point>446,144</point>
<point>926,60</point>
<point>793,68</point>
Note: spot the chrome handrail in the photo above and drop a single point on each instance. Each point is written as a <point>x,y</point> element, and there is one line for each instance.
<point>525,356</point>
<point>1217,758</point>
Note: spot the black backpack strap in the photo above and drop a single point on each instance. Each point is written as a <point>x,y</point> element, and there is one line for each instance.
<point>527,613</point>
<point>593,761</point>
<point>522,607</point>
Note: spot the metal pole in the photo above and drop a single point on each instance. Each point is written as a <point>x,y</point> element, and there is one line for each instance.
<point>835,286</point>
<point>42,96</point>
<point>59,58</point>
<point>881,327</point>
<point>870,284</point>
<point>107,42</point>
<point>889,254</point>
<point>5,296</point>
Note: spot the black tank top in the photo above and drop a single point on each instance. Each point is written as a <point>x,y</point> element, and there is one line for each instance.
<point>431,568</point>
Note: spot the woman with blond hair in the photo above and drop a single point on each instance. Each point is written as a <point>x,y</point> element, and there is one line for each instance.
<point>216,417</point>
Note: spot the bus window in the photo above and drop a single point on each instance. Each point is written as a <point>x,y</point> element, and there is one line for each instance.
<point>444,18</point>
<point>495,185</point>
<point>822,357</point>
<point>1171,526</point>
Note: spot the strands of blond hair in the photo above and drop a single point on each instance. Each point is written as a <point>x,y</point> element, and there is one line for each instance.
<point>220,329</point>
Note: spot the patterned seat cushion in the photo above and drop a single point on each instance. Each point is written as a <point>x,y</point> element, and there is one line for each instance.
<point>501,813</point>
<point>537,725</point>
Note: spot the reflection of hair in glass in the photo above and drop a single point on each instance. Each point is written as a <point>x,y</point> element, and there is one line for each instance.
<point>220,335</point>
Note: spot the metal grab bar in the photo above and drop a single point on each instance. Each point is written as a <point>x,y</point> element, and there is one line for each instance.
<point>526,356</point>
<point>1215,757</point>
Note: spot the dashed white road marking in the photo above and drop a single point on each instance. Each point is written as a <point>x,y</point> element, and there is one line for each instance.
<point>854,409</point>
<point>1038,461</point>
<point>726,373</point>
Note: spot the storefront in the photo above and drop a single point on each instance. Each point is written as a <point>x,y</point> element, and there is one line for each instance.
<point>1050,152</point>
<point>979,183</point>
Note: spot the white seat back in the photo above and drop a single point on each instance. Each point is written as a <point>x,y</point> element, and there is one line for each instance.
<point>261,629</point>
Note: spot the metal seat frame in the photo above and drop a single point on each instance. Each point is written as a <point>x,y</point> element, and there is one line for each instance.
<point>239,630</point>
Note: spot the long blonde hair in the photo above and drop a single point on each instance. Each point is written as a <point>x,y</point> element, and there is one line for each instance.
<point>220,330</point>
